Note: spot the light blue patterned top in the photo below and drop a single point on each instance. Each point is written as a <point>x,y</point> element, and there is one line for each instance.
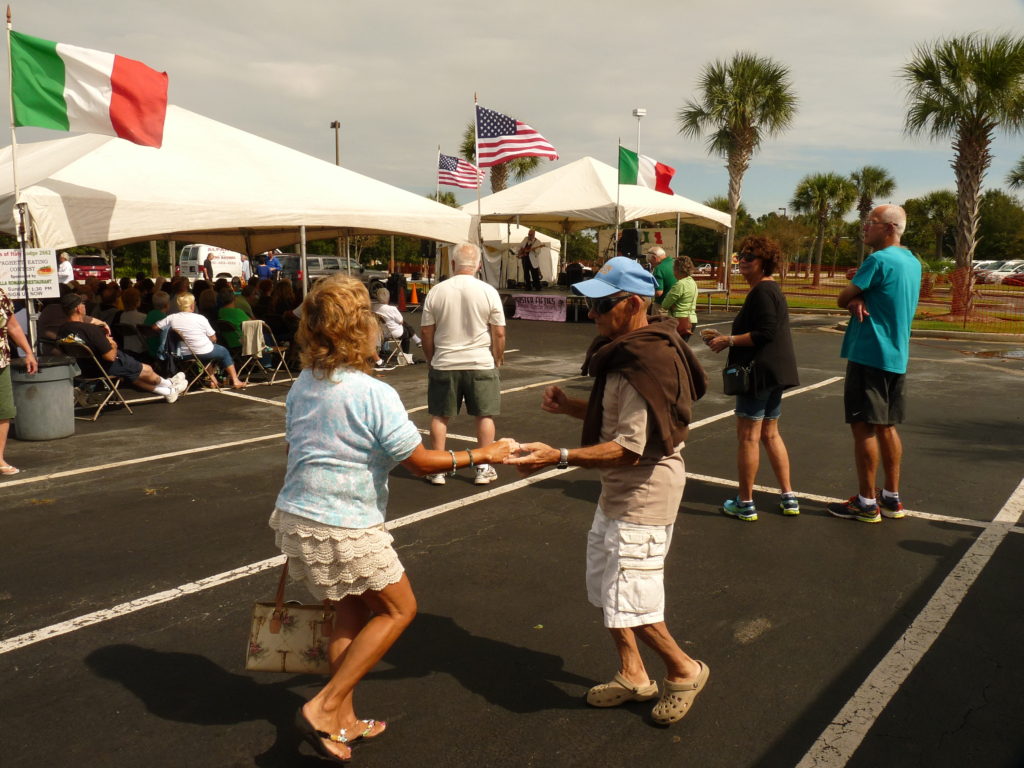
<point>345,434</point>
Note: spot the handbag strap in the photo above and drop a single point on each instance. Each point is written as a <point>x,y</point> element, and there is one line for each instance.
<point>279,597</point>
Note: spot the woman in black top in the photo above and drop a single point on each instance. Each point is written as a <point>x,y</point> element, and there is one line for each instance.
<point>760,335</point>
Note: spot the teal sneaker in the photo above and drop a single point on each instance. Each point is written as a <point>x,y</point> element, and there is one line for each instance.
<point>744,510</point>
<point>789,505</point>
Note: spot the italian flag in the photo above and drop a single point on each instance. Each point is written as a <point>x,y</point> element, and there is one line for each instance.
<point>68,88</point>
<point>644,171</point>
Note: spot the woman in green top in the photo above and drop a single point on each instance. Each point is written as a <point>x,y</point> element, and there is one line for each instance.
<point>680,301</point>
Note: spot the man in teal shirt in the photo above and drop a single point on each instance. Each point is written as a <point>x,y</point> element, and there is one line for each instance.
<point>882,299</point>
<point>661,268</point>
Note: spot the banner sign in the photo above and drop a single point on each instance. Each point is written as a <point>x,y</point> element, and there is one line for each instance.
<point>531,306</point>
<point>666,238</point>
<point>42,274</point>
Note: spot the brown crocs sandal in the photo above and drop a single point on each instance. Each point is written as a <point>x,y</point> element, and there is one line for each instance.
<point>620,690</point>
<point>675,702</point>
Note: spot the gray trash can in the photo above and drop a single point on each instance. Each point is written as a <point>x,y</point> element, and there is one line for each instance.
<point>45,400</point>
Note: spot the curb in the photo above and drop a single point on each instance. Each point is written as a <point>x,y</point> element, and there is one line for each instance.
<point>1011,338</point>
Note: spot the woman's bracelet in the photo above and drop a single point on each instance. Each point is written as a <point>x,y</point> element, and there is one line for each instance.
<point>469,452</point>
<point>455,465</point>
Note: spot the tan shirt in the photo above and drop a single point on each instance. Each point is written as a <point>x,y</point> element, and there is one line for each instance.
<point>649,492</point>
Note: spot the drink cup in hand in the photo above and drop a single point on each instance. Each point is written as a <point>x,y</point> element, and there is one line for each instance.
<point>708,334</point>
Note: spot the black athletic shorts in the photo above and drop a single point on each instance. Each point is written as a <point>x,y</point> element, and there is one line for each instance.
<point>872,395</point>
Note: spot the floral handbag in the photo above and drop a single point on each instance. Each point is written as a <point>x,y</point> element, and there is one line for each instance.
<point>290,637</point>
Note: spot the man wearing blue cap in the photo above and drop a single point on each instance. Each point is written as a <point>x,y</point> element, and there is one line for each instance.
<point>634,424</point>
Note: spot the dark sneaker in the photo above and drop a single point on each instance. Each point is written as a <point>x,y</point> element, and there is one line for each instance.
<point>852,509</point>
<point>891,508</point>
<point>789,506</point>
<point>743,510</point>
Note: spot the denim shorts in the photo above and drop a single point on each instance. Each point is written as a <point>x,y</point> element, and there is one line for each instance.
<point>757,408</point>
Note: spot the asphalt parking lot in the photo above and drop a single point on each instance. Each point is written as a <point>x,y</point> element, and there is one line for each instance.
<point>134,550</point>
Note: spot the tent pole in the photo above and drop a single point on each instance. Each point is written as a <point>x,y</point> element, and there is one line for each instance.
<point>302,259</point>
<point>678,222</point>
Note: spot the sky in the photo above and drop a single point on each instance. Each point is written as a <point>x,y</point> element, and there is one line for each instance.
<point>400,77</point>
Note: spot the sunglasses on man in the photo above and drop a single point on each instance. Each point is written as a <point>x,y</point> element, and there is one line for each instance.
<point>605,305</point>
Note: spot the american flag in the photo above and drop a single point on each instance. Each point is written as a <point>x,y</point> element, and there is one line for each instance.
<point>458,173</point>
<point>500,138</point>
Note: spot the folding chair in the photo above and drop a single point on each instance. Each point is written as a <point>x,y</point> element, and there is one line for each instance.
<point>224,329</point>
<point>176,342</point>
<point>92,373</point>
<point>252,348</point>
<point>131,331</point>
<point>390,347</point>
<point>278,352</point>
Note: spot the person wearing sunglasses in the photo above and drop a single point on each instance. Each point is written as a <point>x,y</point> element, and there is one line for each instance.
<point>760,336</point>
<point>635,420</point>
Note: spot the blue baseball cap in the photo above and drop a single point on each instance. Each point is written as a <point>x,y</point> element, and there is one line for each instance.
<point>618,274</point>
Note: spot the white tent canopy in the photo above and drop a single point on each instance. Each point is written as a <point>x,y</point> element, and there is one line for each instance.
<point>586,193</point>
<point>208,183</point>
<point>500,263</point>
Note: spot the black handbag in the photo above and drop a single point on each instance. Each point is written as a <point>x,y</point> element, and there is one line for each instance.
<point>738,379</point>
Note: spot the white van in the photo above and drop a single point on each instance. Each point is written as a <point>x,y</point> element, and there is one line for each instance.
<point>225,263</point>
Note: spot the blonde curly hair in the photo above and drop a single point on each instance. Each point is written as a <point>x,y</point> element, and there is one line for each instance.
<point>337,327</point>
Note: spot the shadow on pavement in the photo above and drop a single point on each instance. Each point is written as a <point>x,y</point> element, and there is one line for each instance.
<point>517,679</point>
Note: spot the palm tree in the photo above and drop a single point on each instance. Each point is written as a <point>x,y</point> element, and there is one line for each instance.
<point>824,197</point>
<point>940,213</point>
<point>965,88</point>
<point>1015,179</point>
<point>742,101</point>
<point>872,182</point>
<point>519,168</point>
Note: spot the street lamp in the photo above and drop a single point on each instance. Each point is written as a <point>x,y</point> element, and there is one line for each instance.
<point>337,141</point>
<point>638,113</point>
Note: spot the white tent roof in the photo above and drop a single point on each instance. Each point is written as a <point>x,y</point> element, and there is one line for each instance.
<point>582,194</point>
<point>209,183</point>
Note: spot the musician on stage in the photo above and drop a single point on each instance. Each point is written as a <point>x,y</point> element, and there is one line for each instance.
<point>531,261</point>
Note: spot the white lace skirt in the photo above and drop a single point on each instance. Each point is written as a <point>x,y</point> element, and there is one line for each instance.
<point>335,562</point>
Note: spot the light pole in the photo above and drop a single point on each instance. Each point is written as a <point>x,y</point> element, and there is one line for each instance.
<point>638,113</point>
<point>337,141</point>
<point>783,212</point>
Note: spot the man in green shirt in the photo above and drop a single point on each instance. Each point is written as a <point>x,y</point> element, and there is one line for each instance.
<point>661,268</point>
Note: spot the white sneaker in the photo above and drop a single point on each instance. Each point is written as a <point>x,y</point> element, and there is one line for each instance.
<point>436,479</point>
<point>485,474</point>
<point>179,382</point>
<point>172,396</point>
<point>408,358</point>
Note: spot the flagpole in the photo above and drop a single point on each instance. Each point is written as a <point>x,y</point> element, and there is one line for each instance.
<point>618,187</point>
<point>18,205</point>
<point>476,156</point>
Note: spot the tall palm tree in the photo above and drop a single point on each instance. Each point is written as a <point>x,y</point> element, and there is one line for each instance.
<point>1015,178</point>
<point>824,197</point>
<point>872,182</point>
<point>741,102</point>
<point>965,88</point>
<point>519,168</point>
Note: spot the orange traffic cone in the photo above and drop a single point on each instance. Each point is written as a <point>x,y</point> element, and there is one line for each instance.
<point>401,299</point>
<point>414,299</point>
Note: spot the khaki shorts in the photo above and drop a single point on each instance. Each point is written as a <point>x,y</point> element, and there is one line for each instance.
<point>626,570</point>
<point>6,394</point>
<point>479,390</point>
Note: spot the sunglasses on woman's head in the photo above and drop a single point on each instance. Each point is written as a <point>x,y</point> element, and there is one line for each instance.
<point>605,305</point>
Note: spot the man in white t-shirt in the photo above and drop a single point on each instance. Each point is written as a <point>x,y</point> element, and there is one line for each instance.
<point>463,330</point>
<point>65,272</point>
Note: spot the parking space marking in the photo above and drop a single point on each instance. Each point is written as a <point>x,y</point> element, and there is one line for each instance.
<point>840,740</point>
<point>514,389</point>
<point>787,393</point>
<point>141,460</point>
<point>244,396</point>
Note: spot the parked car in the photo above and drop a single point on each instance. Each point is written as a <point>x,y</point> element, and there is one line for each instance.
<point>324,266</point>
<point>985,266</point>
<point>994,276</point>
<point>90,266</point>
<point>1016,277</point>
<point>225,263</point>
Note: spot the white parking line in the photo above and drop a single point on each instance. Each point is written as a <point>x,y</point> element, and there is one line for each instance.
<point>837,743</point>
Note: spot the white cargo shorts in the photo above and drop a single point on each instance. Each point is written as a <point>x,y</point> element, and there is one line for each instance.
<point>626,570</point>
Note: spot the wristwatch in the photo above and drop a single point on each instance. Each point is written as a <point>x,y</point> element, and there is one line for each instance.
<point>563,458</point>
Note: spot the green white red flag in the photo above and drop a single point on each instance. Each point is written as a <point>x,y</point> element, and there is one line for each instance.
<point>67,88</point>
<point>644,171</point>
